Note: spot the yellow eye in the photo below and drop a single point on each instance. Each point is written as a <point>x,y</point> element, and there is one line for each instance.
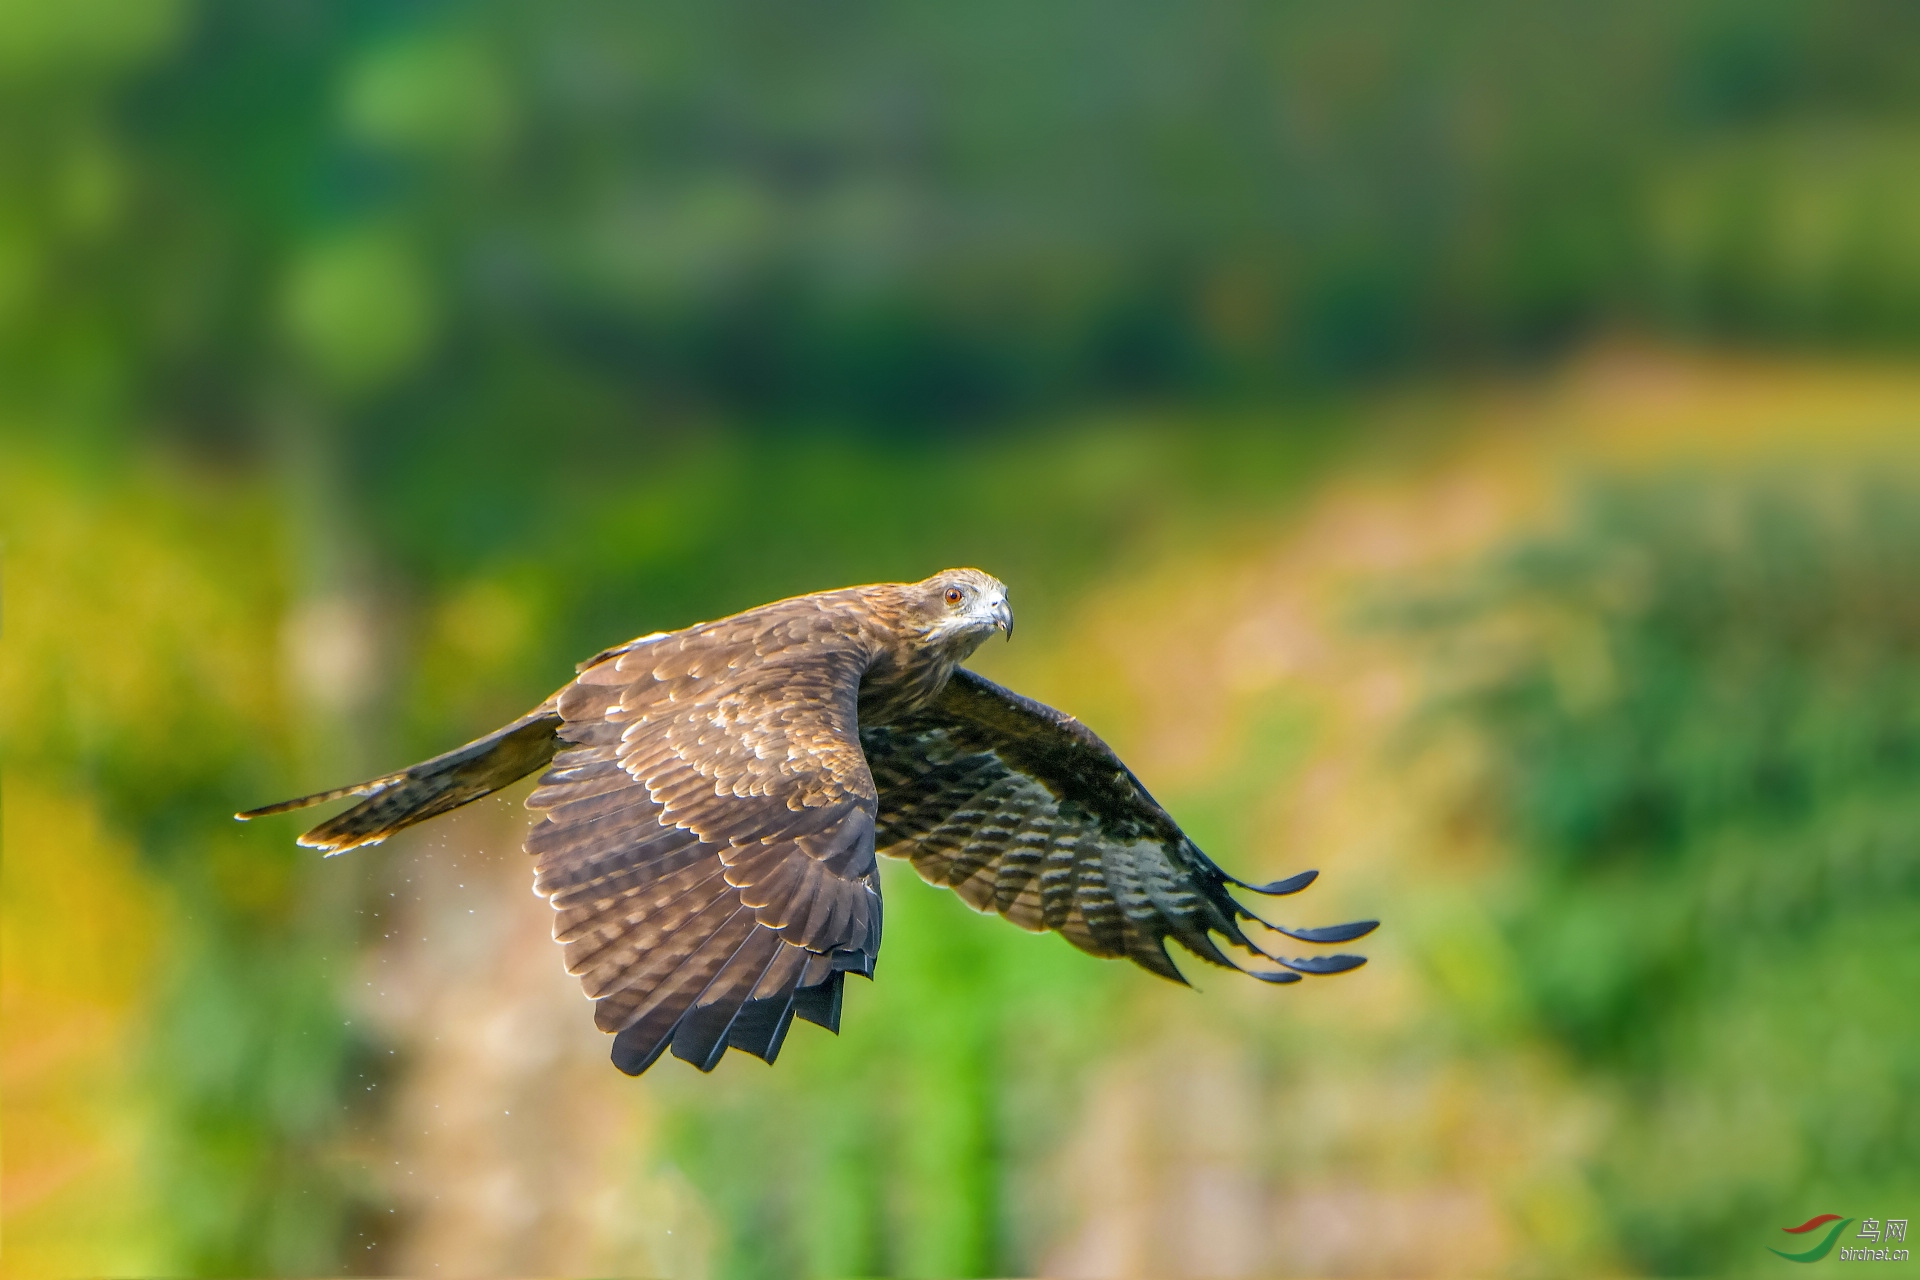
<point>953,595</point>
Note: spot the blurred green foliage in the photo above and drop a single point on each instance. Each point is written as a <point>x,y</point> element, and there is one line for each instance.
<point>894,1150</point>
<point>555,322</point>
<point>1701,708</point>
<point>142,691</point>
<point>449,219</point>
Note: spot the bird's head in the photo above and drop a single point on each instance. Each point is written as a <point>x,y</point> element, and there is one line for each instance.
<point>959,608</point>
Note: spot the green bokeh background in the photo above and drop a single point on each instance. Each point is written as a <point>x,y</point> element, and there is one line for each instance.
<point>363,365</point>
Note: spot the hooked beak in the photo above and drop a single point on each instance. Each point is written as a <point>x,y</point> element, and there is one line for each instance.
<point>1003,616</point>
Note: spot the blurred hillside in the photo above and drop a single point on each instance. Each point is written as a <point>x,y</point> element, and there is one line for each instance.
<point>617,220</point>
<point>365,364</point>
<point>1599,692</point>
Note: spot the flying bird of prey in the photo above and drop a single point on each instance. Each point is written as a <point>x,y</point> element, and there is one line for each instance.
<point>714,799</point>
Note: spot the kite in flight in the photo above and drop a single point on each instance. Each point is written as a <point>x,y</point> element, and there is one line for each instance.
<point>714,799</point>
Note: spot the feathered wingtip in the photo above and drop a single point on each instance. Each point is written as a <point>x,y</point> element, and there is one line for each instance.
<point>1292,968</point>
<point>1324,935</point>
<point>1276,888</point>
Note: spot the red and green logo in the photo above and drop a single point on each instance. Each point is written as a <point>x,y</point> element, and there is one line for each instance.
<point>1825,1246</point>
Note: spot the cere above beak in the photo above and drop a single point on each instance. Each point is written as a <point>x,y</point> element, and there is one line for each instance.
<point>1003,616</point>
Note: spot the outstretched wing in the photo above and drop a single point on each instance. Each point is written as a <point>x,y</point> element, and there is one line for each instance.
<point>708,835</point>
<point>1023,810</point>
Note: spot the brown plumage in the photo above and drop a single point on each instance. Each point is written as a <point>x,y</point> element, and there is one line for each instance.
<point>715,798</point>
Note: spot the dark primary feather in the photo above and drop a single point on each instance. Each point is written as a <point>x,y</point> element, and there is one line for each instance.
<point>1024,811</point>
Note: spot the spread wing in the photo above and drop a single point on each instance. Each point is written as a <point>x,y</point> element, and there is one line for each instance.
<point>708,838</point>
<point>1023,810</point>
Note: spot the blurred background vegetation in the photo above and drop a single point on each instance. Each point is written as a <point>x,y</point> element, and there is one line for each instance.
<point>1464,448</point>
